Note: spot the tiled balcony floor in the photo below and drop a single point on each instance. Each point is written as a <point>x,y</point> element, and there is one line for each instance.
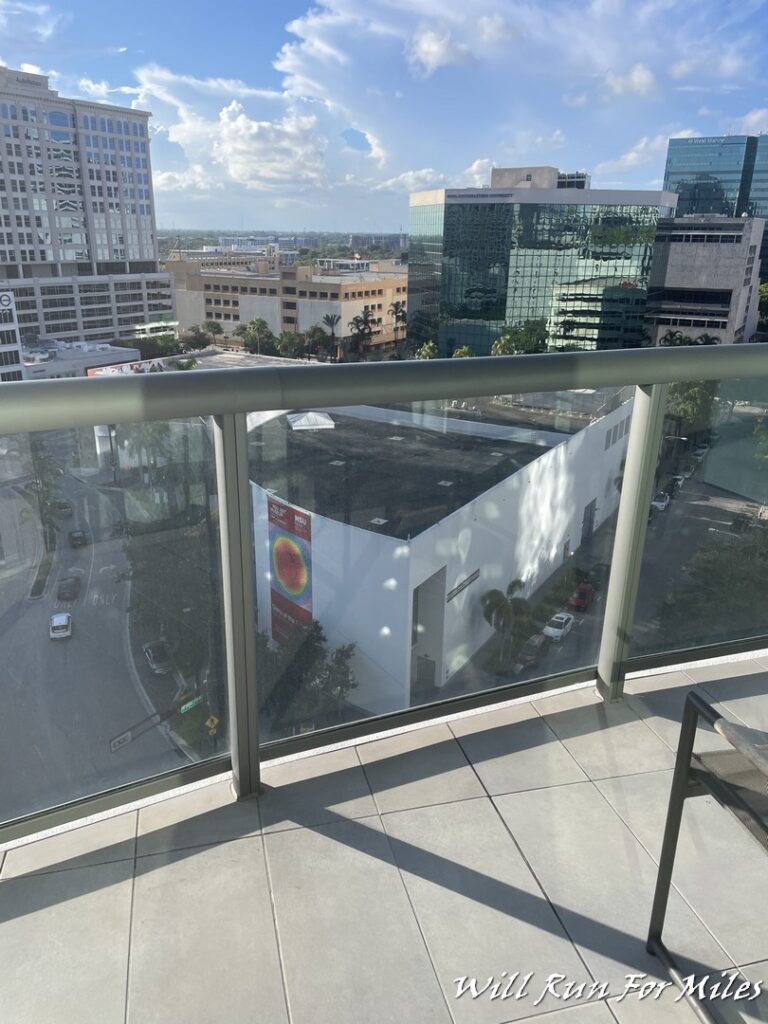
<point>367,879</point>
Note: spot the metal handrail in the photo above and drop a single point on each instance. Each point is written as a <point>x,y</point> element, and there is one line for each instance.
<point>53,404</point>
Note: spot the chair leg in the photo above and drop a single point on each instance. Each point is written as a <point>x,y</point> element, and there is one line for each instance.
<point>672,829</point>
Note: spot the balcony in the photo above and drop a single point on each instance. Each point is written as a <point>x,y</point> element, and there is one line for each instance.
<point>367,879</point>
<point>425,622</point>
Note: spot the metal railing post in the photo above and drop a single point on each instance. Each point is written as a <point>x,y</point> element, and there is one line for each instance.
<point>237,565</point>
<point>636,493</point>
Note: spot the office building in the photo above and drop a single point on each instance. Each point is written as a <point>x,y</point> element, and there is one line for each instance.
<point>705,278</point>
<point>290,298</point>
<point>538,177</point>
<point>11,367</point>
<point>725,174</point>
<point>574,261</point>
<point>78,245</point>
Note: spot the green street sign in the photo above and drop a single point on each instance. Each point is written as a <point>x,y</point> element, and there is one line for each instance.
<point>191,704</point>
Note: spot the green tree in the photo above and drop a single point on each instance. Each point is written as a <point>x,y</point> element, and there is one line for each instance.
<point>257,337</point>
<point>214,328</point>
<point>196,338</point>
<point>291,345</point>
<point>509,616</point>
<point>462,352</point>
<point>503,347</point>
<point>319,343</point>
<point>331,321</point>
<point>692,403</point>
<point>399,316</point>
<point>675,338</point>
<point>528,338</point>
<point>427,351</point>
<point>361,329</point>
<point>157,346</point>
<point>763,307</point>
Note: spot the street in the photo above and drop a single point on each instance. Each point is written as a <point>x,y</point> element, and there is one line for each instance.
<point>63,700</point>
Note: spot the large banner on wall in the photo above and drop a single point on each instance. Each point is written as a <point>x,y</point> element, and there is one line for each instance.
<point>290,562</point>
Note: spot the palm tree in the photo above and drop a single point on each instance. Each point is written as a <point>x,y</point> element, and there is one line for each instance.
<point>505,613</point>
<point>361,329</point>
<point>331,320</point>
<point>399,316</point>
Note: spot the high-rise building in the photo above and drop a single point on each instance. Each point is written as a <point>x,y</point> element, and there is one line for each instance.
<point>705,278</point>
<point>11,366</point>
<point>78,246</point>
<point>726,174</point>
<point>575,262</point>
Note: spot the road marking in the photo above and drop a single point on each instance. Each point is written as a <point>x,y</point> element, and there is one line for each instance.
<point>106,568</point>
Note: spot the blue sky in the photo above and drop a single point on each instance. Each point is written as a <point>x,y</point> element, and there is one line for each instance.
<point>324,116</point>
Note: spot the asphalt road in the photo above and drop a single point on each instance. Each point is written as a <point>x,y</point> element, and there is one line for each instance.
<point>62,701</point>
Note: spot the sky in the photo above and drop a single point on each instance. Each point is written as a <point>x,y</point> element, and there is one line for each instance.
<point>297,116</point>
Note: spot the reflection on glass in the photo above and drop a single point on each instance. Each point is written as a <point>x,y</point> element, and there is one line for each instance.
<point>411,554</point>
<point>705,565</point>
<point>110,615</point>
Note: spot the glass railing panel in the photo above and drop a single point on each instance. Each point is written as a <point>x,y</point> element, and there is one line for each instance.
<point>112,665</point>
<point>705,565</point>
<point>409,554</point>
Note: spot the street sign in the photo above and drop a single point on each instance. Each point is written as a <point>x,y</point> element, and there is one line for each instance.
<point>120,741</point>
<point>191,704</point>
<point>211,722</point>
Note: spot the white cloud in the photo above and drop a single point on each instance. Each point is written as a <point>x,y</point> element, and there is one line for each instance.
<point>96,90</point>
<point>755,121</point>
<point>492,29</point>
<point>575,99</point>
<point>429,50</point>
<point>195,178</point>
<point>554,141</point>
<point>413,181</point>
<point>724,61</point>
<point>477,174</point>
<point>638,81</point>
<point>24,21</point>
<point>644,151</point>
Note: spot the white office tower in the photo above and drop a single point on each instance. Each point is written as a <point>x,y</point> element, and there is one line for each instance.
<point>78,247</point>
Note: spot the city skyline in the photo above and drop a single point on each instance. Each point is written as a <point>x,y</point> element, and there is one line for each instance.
<point>322,118</point>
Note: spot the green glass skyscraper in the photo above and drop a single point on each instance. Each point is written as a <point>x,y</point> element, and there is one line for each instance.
<point>574,263</point>
<point>725,174</point>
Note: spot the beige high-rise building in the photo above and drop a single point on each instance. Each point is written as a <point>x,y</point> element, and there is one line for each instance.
<point>78,245</point>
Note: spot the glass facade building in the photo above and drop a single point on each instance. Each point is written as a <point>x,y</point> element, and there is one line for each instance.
<point>483,260</point>
<point>724,174</point>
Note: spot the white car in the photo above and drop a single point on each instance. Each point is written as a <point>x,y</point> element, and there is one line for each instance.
<point>660,501</point>
<point>559,626</point>
<point>61,626</point>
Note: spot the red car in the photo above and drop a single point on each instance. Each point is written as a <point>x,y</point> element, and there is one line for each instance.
<point>582,596</point>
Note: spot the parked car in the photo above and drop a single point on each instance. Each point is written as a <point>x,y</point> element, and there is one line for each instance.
<point>68,588</point>
<point>582,596</point>
<point>700,452</point>
<point>534,649</point>
<point>158,657</point>
<point>61,626</point>
<point>596,574</point>
<point>660,501</point>
<point>688,471</point>
<point>676,483</point>
<point>78,538</point>
<point>559,626</point>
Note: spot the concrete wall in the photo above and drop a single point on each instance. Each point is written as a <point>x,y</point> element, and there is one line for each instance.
<point>360,595</point>
<point>519,529</point>
<point>363,582</point>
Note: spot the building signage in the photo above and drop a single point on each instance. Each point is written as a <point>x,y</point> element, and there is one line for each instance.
<point>6,300</point>
<point>142,366</point>
<point>462,586</point>
<point>290,563</point>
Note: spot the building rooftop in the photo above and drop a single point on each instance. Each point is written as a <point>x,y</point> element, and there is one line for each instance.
<point>427,466</point>
<point>367,879</point>
<point>551,196</point>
